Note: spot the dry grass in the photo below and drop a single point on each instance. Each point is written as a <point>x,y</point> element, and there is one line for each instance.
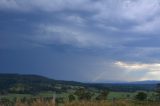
<point>88,103</point>
<point>38,102</point>
<point>110,103</point>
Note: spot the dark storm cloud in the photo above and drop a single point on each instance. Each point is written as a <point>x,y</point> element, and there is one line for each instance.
<point>70,39</point>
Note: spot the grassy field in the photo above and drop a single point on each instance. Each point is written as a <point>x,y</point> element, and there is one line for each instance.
<point>40,95</point>
<point>121,99</point>
<point>117,95</point>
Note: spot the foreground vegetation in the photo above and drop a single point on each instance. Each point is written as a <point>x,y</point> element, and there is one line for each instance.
<point>82,98</point>
<point>41,102</point>
<point>115,103</point>
<point>31,90</point>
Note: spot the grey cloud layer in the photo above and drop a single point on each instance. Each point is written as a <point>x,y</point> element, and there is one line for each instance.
<point>116,15</point>
<point>109,30</point>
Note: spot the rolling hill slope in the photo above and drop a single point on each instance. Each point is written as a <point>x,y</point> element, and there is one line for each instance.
<point>17,83</point>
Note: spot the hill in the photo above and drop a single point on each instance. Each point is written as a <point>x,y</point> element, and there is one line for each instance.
<point>17,83</point>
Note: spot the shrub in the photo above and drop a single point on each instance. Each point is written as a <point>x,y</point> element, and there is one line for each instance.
<point>141,96</point>
<point>71,98</point>
<point>103,95</point>
<point>83,94</point>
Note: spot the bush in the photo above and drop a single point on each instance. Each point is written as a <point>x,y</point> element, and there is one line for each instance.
<point>141,96</point>
<point>103,95</point>
<point>83,94</point>
<point>71,98</point>
<point>60,100</point>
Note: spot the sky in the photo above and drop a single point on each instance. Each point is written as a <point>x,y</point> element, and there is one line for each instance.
<point>81,40</point>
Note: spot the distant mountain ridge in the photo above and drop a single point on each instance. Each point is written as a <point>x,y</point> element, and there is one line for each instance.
<point>129,82</point>
<point>136,82</point>
<point>23,76</point>
<point>146,82</point>
<point>20,83</point>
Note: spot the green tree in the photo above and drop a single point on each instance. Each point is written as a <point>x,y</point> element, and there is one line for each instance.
<point>80,92</point>
<point>87,96</point>
<point>71,97</point>
<point>141,96</point>
<point>60,100</point>
<point>83,94</point>
<point>103,95</point>
<point>158,91</point>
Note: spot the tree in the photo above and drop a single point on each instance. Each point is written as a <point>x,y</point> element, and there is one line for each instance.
<point>3,92</point>
<point>86,96</point>
<point>141,96</point>
<point>83,94</point>
<point>158,91</point>
<point>60,100</point>
<point>128,95</point>
<point>80,92</point>
<point>103,95</point>
<point>71,98</point>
